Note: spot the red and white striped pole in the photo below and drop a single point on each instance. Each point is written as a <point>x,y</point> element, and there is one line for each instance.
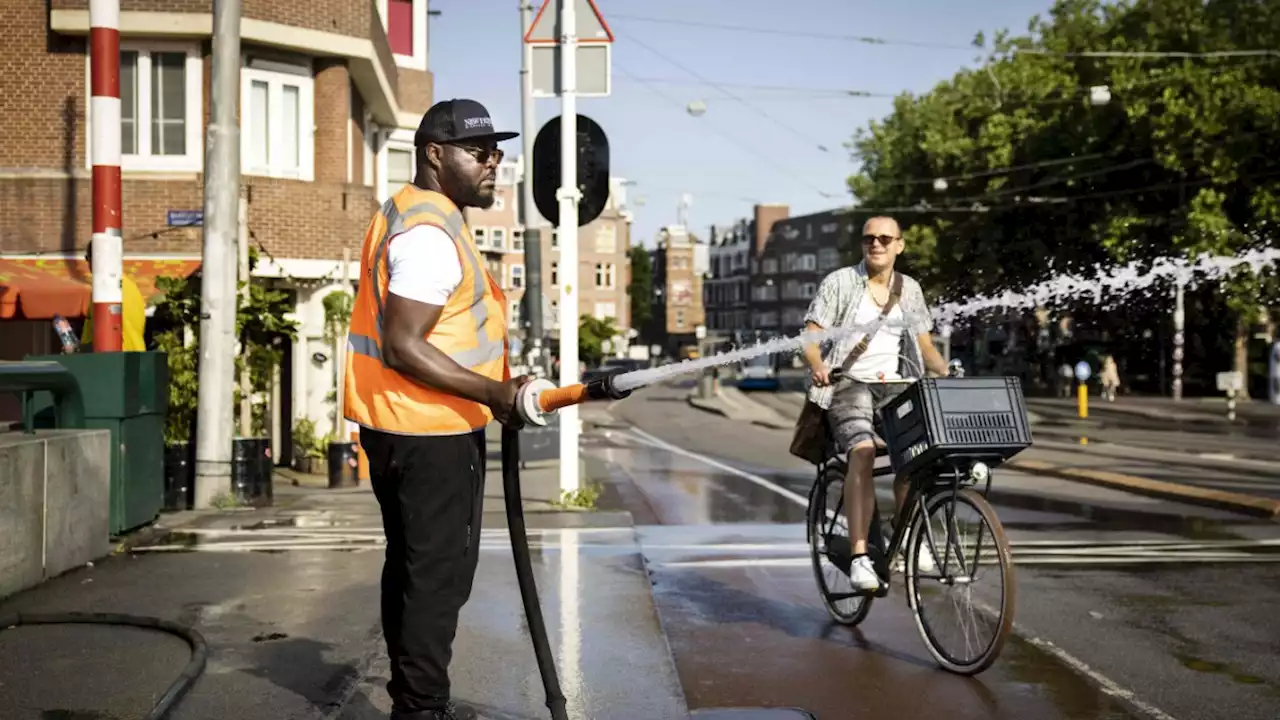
<point>104,111</point>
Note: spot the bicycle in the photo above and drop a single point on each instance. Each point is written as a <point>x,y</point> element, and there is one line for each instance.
<point>944,448</point>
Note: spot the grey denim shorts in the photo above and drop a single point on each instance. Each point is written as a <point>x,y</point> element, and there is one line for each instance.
<point>853,408</point>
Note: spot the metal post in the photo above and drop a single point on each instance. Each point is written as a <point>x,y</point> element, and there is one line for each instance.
<point>1179,318</point>
<point>340,358</point>
<point>529,219</point>
<point>104,110</point>
<point>218,287</point>
<point>242,255</point>
<point>568,232</point>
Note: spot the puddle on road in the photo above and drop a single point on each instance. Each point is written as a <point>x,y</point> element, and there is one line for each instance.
<point>1072,695</point>
<point>1097,517</point>
<point>1207,666</point>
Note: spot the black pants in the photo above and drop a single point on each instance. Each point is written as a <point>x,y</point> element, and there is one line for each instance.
<point>431,490</point>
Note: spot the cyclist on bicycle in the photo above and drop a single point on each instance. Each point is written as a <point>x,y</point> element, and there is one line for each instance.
<point>857,297</point>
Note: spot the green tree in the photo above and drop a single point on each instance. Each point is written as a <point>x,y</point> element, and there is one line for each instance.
<point>1181,160</point>
<point>592,335</point>
<point>259,322</point>
<point>640,289</point>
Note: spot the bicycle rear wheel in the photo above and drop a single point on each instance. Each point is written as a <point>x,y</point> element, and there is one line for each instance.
<point>968,545</point>
<point>825,522</point>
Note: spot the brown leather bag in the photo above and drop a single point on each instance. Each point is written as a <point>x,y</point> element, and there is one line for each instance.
<point>810,436</point>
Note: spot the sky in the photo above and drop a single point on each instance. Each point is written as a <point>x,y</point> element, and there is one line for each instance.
<point>774,128</point>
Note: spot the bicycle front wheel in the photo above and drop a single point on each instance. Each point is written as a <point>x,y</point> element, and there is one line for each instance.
<point>830,546</point>
<point>964,604</point>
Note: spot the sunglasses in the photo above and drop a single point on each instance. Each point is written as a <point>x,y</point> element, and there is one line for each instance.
<point>884,240</point>
<point>481,155</point>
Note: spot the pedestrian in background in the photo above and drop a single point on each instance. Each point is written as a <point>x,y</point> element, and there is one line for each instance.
<point>1110,378</point>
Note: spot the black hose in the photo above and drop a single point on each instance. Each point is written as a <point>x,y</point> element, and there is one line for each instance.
<point>524,573</point>
<point>179,687</point>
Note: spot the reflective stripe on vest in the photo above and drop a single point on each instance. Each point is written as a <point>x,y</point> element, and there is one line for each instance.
<point>486,349</point>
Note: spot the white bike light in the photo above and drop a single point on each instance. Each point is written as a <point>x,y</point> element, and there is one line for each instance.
<point>979,472</point>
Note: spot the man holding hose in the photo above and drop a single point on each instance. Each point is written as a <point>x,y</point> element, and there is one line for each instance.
<point>870,294</point>
<point>426,372</point>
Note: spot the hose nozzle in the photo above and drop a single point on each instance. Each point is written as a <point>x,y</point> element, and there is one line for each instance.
<point>538,399</point>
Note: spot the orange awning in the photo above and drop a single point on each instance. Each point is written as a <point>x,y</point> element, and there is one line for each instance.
<point>39,288</point>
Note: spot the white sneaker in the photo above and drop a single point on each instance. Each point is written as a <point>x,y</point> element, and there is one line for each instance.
<point>925,561</point>
<point>862,574</point>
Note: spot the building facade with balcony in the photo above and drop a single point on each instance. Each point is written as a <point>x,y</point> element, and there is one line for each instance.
<point>330,96</point>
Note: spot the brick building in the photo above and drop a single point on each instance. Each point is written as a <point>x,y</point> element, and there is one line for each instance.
<point>726,292</point>
<point>331,92</point>
<point>680,265</point>
<point>796,254</point>
<point>603,259</point>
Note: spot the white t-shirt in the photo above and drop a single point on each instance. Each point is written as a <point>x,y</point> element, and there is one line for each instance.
<point>882,354</point>
<point>424,265</point>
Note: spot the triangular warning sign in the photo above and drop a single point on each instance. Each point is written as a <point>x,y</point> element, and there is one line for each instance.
<point>591,27</point>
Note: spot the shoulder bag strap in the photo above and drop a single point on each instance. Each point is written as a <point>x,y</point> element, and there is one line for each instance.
<point>895,292</point>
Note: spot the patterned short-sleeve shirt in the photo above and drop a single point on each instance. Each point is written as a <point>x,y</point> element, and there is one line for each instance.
<point>836,305</point>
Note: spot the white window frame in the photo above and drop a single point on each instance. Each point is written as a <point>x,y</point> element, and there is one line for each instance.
<point>606,276</point>
<point>193,160</point>
<point>481,236</point>
<point>384,165</point>
<point>516,270</point>
<point>613,306</point>
<point>498,237</point>
<point>555,273</point>
<point>418,60</point>
<point>371,131</point>
<point>306,120</point>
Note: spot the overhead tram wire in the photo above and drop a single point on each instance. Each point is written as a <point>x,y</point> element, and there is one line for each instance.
<point>790,33</point>
<point>806,138</point>
<point>727,136</point>
<point>868,40</point>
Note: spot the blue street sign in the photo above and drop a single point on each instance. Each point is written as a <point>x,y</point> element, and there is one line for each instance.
<point>1083,371</point>
<point>185,218</point>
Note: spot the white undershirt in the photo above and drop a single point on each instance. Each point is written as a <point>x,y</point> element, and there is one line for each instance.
<point>424,265</point>
<point>882,354</point>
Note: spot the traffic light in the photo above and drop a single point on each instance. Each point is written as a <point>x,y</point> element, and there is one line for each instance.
<point>593,170</point>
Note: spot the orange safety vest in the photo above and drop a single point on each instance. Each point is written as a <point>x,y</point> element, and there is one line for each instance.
<point>472,329</point>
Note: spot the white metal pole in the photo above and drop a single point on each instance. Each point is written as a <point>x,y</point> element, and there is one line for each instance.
<point>340,358</point>
<point>218,285</point>
<point>1179,320</point>
<point>568,231</point>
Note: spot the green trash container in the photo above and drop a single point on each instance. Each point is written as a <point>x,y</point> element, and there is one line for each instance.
<point>127,394</point>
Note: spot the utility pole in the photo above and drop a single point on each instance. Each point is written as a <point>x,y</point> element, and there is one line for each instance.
<point>104,111</point>
<point>529,219</point>
<point>568,233</point>
<point>242,254</point>
<point>218,286</point>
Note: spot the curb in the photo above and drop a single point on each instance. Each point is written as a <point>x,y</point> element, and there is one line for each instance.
<point>1222,500</point>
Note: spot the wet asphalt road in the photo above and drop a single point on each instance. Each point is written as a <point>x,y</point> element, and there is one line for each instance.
<point>1127,606</point>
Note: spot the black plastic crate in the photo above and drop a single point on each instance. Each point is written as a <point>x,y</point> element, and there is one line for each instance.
<point>934,419</point>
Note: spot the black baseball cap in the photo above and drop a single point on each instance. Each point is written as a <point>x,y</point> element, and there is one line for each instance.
<point>457,119</point>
